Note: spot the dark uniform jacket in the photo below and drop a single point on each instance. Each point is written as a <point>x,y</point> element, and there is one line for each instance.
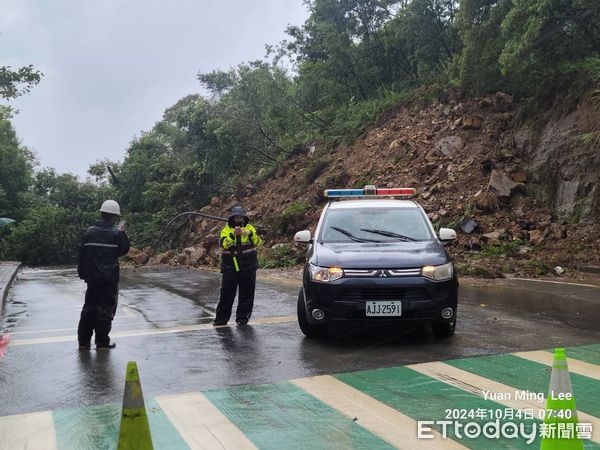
<point>99,253</point>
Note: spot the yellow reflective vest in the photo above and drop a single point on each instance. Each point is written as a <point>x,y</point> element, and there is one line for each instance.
<point>239,253</point>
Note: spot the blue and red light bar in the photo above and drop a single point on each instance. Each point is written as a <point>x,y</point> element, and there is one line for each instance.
<point>371,191</point>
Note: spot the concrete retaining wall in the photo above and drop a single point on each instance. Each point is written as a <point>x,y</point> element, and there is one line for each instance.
<point>8,272</point>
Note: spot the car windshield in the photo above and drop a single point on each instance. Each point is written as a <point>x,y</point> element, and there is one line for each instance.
<point>374,225</point>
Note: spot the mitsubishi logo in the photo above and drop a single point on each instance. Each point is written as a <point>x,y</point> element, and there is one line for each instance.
<point>383,273</point>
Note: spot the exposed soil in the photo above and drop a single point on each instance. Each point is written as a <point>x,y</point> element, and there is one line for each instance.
<point>466,161</point>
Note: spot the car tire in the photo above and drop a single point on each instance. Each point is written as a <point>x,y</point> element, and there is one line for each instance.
<point>310,330</point>
<point>443,330</point>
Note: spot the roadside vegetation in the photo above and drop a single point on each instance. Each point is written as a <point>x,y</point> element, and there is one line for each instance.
<point>330,81</point>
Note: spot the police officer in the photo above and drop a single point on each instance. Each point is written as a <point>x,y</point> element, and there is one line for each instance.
<point>99,253</point>
<point>239,242</point>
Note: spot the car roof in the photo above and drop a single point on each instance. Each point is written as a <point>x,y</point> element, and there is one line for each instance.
<point>372,203</point>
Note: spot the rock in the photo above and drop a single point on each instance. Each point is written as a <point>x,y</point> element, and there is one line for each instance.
<point>214,201</point>
<point>428,168</point>
<point>276,246</point>
<point>211,241</point>
<point>162,258</point>
<point>442,212</point>
<point>148,251</point>
<point>426,195</point>
<point>502,97</point>
<point>525,224</point>
<point>468,225</point>
<point>501,185</point>
<point>205,208</point>
<point>519,176</point>
<point>395,144</point>
<point>492,238</point>
<point>523,249</point>
<point>522,235</point>
<point>536,236</point>
<point>183,259</point>
<point>473,122</point>
<point>133,252</point>
<point>195,254</point>
<point>475,244</point>
<point>204,225</point>
<point>487,202</point>
<point>140,258</point>
<point>449,145</point>
<point>559,270</point>
<point>555,231</point>
<point>505,154</point>
<point>446,110</point>
<point>312,149</point>
<point>487,166</point>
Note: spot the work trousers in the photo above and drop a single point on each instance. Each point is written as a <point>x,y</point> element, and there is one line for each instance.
<point>246,280</point>
<point>98,312</point>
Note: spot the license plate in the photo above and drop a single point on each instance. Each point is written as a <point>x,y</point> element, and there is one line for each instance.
<point>389,308</point>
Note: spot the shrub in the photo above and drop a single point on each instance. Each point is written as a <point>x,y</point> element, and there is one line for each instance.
<point>282,256</point>
<point>294,212</point>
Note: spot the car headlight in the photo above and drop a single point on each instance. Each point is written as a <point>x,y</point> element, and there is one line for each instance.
<point>325,274</point>
<point>438,273</point>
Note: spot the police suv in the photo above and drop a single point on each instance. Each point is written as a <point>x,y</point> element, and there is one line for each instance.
<point>376,258</point>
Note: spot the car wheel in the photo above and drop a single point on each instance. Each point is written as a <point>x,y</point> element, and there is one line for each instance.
<point>444,329</point>
<point>311,330</point>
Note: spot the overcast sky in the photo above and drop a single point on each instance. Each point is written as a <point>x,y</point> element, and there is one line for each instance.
<point>111,67</point>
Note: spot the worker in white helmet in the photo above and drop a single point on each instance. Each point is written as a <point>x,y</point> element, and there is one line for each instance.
<point>99,253</point>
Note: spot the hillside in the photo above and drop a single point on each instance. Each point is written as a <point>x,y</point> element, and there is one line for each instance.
<point>471,167</point>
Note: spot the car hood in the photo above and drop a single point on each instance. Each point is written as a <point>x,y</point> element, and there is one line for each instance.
<point>389,255</point>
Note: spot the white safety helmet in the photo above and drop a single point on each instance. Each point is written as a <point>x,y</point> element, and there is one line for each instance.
<point>111,207</point>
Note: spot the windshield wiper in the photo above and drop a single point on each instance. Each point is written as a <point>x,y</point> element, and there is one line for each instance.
<point>388,234</point>
<point>351,236</point>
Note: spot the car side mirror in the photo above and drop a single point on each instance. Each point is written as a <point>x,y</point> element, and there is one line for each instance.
<point>302,237</point>
<point>447,235</point>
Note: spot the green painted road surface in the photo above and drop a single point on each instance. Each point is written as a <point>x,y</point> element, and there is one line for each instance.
<point>374,409</point>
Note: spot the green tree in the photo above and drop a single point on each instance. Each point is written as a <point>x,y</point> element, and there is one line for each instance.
<point>16,164</point>
<point>547,40</point>
<point>14,83</point>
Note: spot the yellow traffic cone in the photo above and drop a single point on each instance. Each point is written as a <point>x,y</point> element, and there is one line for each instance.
<point>561,413</point>
<point>135,431</point>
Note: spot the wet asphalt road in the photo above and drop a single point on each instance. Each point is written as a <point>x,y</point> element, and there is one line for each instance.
<point>163,323</point>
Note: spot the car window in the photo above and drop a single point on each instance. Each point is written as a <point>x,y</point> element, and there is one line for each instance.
<point>408,222</point>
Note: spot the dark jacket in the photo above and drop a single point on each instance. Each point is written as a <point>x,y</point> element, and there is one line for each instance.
<point>99,253</point>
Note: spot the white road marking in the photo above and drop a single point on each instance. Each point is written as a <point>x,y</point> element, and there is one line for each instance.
<point>120,324</point>
<point>390,425</point>
<point>556,282</point>
<point>201,424</point>
<point>574,365</point>
<point>476,384</point>
<point>28,431</point>
<point>149,332</point>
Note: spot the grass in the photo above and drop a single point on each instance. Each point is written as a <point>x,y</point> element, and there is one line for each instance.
<point>282,256</point>
<point>504,249</point>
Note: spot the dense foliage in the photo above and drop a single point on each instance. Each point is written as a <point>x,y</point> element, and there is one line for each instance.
<point>348,62</point>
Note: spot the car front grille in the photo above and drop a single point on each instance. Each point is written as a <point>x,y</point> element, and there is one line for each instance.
<point>363,294</point>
